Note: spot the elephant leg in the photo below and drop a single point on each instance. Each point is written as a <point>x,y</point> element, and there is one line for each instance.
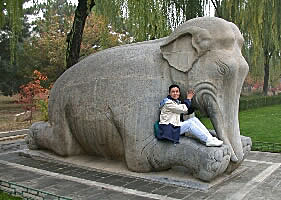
<point>57,138</point>
<point>203,162</point>
<point>246,144</point>
<point>136,156</point>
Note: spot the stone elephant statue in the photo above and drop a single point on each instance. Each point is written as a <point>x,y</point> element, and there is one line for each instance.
<point>107,103</point>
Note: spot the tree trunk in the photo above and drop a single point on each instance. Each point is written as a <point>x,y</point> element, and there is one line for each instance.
<point>266,77</point>
<point>267,56</point>
<point>217,7</point>
<point>74,38</point>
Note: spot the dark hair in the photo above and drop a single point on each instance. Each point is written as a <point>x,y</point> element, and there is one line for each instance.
<point>174,86</point>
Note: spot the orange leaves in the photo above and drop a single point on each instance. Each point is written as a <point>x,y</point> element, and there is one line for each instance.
<point>39,77</point>
<point>33,91</point>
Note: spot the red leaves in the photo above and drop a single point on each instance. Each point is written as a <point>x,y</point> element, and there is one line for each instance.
<point>33,91</point>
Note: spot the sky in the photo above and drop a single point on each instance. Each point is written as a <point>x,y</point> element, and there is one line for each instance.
<point>28,4</point>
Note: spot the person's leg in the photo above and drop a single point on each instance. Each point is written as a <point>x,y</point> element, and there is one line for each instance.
<point>192,128</point>
<point>206,131</point>
<point>202,126</point>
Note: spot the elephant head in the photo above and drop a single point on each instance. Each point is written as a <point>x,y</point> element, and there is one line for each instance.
<point>208,51</point>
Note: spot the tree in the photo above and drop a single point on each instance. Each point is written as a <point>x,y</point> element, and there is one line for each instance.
<point>98,35</point>
<point>142,19</point>
<point>45,51</point>
<point>11,73</point>
<point>74,38</point>
<point>259,22</point>
<point>149,19</point>
<point>50,9</point>
<point>12,10</point>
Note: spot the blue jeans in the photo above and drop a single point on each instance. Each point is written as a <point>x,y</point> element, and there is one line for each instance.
<point>195,128</point>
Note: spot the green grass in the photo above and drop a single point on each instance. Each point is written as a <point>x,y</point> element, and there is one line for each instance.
<point>5,196</point>
<point>261,124</point>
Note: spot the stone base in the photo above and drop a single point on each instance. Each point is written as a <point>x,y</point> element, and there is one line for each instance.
<point>179,176</point>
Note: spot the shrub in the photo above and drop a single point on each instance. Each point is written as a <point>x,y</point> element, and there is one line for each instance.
<point>258,101</point>
<point>43,106</point>
<point>33,92</point>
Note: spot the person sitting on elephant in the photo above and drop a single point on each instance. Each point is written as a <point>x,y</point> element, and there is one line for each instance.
<point>171,126</point>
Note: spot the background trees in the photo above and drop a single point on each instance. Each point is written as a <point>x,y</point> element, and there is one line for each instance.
<point>112,22</point>
<point>142,19</point>
<point>259,22</point>
<point>11,14</point>
<point>13,31</point>
<point>47,48</point>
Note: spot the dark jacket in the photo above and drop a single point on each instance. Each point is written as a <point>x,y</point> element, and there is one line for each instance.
<point>170,117</point>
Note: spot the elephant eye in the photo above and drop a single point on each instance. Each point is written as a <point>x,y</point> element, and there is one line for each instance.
<point>222,68</point>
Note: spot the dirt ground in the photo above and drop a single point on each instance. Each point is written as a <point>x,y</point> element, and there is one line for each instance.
<point>8,109</point>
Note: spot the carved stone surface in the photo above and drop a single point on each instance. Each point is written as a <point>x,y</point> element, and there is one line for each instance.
<point>106,104</point>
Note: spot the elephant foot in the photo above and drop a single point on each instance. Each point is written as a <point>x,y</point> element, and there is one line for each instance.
<point>213,162</point>
<point>56,139</point>
<point>31,140</point>
<point>246,144</point>
<point>35,134</point>
<point>201,161</point>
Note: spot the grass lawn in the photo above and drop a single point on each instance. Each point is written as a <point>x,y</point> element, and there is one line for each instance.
<point>261,124</point>
<point>5,196</point>
<point>8,109</point>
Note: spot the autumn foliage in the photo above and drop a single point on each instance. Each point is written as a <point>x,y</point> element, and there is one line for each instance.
<point>46,51</point>
<point>33,94</point>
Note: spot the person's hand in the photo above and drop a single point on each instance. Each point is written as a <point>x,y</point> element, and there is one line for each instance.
<point>190,93</point>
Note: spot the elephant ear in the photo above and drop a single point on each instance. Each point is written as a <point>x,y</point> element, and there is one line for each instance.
<point>185,45</point>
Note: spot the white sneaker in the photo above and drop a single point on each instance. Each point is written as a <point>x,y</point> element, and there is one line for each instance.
<point>215,138</point>
<point>214,142</point>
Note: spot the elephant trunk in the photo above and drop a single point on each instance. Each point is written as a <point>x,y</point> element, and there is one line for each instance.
<point>223,117</point>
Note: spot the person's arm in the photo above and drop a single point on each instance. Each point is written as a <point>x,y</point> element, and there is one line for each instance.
<point>181,108</point>
<point>189,106</point>
<point>187,101</point>
<point>176,108</point>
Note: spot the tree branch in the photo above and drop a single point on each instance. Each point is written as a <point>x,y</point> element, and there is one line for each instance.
<point>216,6</point>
